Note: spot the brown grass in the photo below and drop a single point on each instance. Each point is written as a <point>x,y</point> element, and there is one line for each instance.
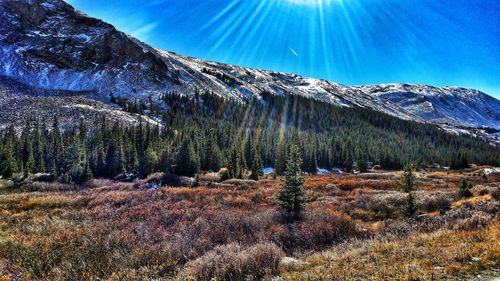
<point>442,255</point>
<point>120,231</point>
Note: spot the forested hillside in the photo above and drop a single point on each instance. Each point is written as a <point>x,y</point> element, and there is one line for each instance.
<point>203,132</point>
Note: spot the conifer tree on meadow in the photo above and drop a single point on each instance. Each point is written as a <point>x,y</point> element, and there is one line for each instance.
<point>292,196</point>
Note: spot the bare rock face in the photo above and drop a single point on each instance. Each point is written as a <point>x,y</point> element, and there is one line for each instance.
<point>20,102</point>
<point>48,44</point>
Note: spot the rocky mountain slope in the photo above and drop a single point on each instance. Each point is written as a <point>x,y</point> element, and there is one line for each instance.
<point>50,45</point>
<point>19,102</point>
<point>453,106</point>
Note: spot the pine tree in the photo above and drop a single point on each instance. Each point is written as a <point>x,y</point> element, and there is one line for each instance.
<point>459,160</point>
<point>257,165</point>
<point>196,181</point>
<point>362,166</point>
<point>28,158</point>
<point>410,208</point>
<point>186,161</point>
<point>38,146</point>
<point>465,189</point>
<point>82,131</point>
<point>330,136</point>
<point>98,157</point>
<point>148,162</point>
<point>9,164</point>
<point>115,160</point>
<point>464,162</point>
<point>134,160</point>
<point>236,163</point>
<point>292,197</point>
<point>209,159</point>
<point>280,159</point>
<point>86,174</point>
<point>248,152</point>
<point>408,180</point>
<point>56,148</point>
<point>310,164</point>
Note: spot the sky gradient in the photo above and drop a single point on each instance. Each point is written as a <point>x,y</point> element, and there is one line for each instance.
<point>353,42</point>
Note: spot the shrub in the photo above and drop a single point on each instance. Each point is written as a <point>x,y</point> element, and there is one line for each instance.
<point>470,216</point>
<point>317,229</point>
<point>196,180</point>
<point>325,227</point>
<point>15,252</point>
<point>238,183</point>
<point>384,205</point>
<point>481,190</point>
<point>477,220</point>
<point>465,189</point>
<point>408,179</point>
<point>233,262</point>
<point>262,260</point>
<point>143,273</point>
<point>397,227</point>
<point>435,202</point>
<point>496,193</point>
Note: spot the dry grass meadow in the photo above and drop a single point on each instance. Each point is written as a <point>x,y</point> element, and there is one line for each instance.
<point>352,229</point>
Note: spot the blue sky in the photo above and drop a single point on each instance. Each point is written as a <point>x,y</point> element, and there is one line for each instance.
<point>353,42</point>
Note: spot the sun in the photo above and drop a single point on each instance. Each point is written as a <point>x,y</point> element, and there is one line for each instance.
<point>310,2</point>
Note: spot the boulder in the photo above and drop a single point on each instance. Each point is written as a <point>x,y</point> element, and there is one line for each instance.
<point>289,262</point>
<point>42,177</point>
<point>331,186</point>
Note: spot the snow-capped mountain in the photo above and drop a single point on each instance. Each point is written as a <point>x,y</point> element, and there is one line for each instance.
<point>449,105</point>
<point>48,44</point>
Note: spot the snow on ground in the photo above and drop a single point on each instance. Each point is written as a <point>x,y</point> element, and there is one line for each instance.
<point>133,74</point>
<point>322,171</point>
<point>489,171</point>
<point>268,170</point>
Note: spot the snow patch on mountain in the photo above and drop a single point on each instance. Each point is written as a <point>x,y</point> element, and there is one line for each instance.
<point>455,106</point>
<point>48,44</point>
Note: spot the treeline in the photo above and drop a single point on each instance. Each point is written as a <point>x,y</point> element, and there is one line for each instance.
<point>205,132</point>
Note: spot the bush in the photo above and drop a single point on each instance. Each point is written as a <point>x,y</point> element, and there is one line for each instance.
<point>477,220</point>
<point>470,216</point>
<point>318,228</point>
<point>435,202</point>
<point>496,193</point>
<point>233,262</point>
<point>381,206</point>
<point>13,251</point>
<point>397,227</point>
<point>465,188</point>
<point>480,190</point>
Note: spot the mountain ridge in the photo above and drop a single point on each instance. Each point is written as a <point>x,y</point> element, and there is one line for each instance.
<point>51,45</point>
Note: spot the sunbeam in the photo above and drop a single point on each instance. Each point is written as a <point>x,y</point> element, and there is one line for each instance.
<point>347,41</point>
<point>310,2</point>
